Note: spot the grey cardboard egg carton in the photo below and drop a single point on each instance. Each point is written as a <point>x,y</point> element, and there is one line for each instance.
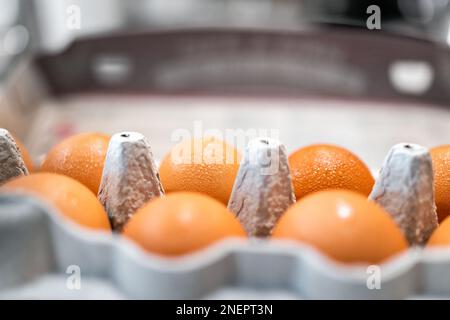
<point>38,250</point>
<point>37,247</point>
<point>48,244</point>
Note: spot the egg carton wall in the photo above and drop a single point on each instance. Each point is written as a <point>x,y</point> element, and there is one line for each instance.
<point>41,256</point>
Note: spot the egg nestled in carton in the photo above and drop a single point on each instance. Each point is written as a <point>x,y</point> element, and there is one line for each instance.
<point>344,225</point>
<point>68,196</point>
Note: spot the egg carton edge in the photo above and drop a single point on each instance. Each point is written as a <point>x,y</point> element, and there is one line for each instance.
<point>34,242</point>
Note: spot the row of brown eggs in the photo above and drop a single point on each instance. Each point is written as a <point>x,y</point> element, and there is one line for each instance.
<point>341,222</point>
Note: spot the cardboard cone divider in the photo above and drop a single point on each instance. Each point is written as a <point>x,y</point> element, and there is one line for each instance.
<point>263,188</point>
<point>405,190</point>
<point>130,177</point>
<point>11,161</point>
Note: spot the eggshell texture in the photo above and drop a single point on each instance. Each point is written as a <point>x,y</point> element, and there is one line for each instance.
<point>180,223</point>
<point>441,236</point>
<point>205,165</point>
<point>68,196</point>
<point>343,225</point>
<point>322,166</point>
<point>80,157</point>
<point>441,168</point>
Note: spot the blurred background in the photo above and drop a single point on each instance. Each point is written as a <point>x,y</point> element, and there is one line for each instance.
<point>32,25</point>
<point>310,69</point>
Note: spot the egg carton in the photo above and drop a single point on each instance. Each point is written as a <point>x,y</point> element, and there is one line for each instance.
<point>42,252</point>
<point>404,187</point>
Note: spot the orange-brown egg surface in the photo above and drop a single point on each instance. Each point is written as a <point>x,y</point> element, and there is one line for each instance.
<point>441,167</point>
<point>343,225</point>
<point>68,196</point>
<point>80,157</point>
<point>206,165</point>
<point>180,223</point>
<point>440,236</point>
<point>322,166</point>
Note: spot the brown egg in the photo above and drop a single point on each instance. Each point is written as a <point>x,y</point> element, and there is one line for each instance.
<point>80,157</point>
<point>343,225</point>
<point>323,166</point>
<point>441,236</point>
<point>441,167</point>
<point>205,165</point>
<point>70,198</point>
<point>180,223</point>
